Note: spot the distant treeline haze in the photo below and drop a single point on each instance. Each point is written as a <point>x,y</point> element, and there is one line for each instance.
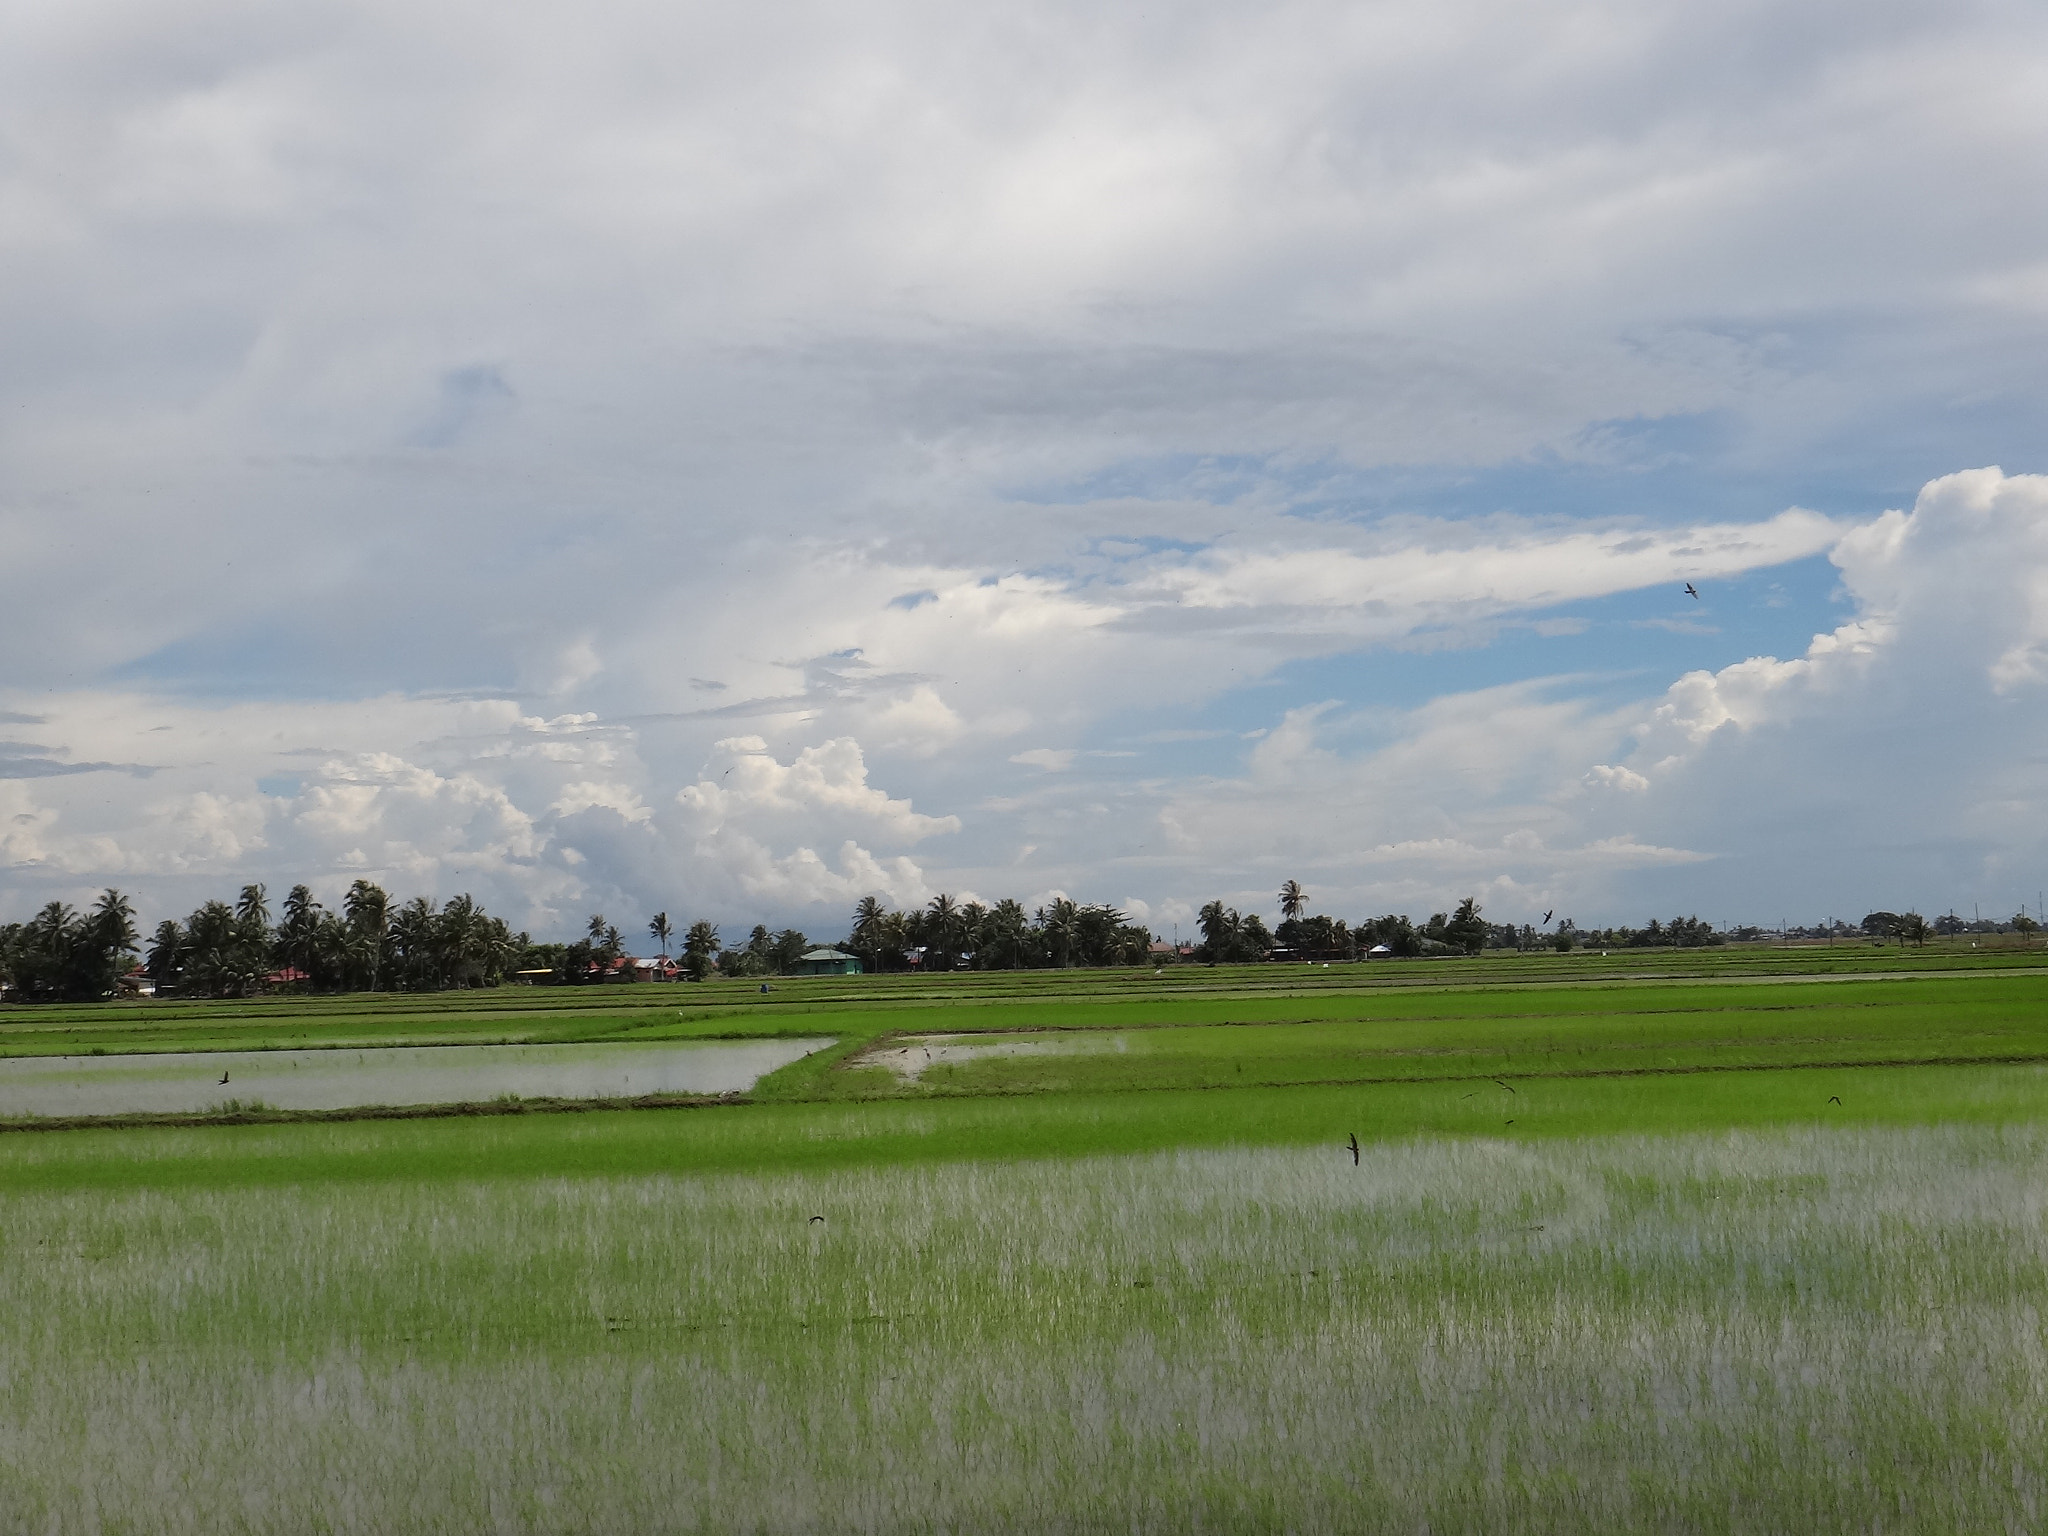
<point>235,949</point>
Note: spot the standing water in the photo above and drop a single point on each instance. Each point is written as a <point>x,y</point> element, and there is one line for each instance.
<point>191,1083</point>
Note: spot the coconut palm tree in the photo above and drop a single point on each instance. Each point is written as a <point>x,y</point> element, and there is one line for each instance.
<point>1060,922</point>
<point>1222,931</point>
<point>369,912</point>
<point>867,927</point>
<point>221,961</point>
<point>1293,899</point>
<point>942,930</point>
<point>166,953</point>
<point>973,921</point>
<point>458,936</point>
<point>700,947</point>
<point>113,922</point>
<point>1095,933</point>
<point>892,937</point>
<point>356,952</point>
<point>298,934</point>
<point>1005,936</point>
<point>251,908</point>
<point>660,927</point>
<point>502,949</point>
<point>412,940</point>
<point>366,905</point>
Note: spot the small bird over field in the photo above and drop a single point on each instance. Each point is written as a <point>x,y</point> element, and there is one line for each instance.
<point>1354,1149</point>
<point>1550,914</point>
<point>223,1077</point>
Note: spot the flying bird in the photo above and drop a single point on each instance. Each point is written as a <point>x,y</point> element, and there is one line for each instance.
<point>1549,915</point>
<point>1354,1149</point>
<point>817,1218</point>
<point>223,1077</point>
<point>1692,591</point>
<point>1832,1099</point>
<point>1507,1085</point>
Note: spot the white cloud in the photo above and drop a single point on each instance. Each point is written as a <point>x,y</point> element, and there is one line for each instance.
<point>1051,759</point>
<point>620,799</point>
<point>1953,600</point>
<point>22,823</point>
<point>533,405</point>
<point>1799,776</point>
<point>1393,592</point>
<point>1893,762</point>
<point>1608,776</point>
<point>831,778</point>
<point>802,879</point>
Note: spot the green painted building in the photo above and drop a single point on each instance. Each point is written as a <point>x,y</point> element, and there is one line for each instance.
<point>828,962</point>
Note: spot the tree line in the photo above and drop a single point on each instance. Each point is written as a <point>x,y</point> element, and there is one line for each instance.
<point>233,949</point>
<point>945,934</point>
<point>700,952</point>
<point>1228,937</point>
<point>61,953</point>
<point>948,934</point>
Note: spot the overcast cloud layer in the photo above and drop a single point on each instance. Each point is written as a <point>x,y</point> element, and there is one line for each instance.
<point>738,460</point>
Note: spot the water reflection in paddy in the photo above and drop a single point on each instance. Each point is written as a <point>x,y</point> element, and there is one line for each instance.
<point>348,1079</point>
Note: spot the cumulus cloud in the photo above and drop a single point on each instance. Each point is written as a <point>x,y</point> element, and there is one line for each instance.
<point>829,779</point>
<point>1895,758</point>
<point>429,435</point>
<point>1952,604</point>
<point>1464,574</point>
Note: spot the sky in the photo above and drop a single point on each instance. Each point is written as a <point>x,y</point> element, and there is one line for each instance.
<point>736,460</point>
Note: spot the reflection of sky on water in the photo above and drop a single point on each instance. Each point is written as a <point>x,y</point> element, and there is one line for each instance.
<point>344,1079</point>
<point>914,1057</point>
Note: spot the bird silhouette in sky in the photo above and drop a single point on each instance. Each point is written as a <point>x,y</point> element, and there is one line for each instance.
<point>1692,591</point>
<point>1549,915</point>
<point>223,1077</point>
<point>1354,1149</point>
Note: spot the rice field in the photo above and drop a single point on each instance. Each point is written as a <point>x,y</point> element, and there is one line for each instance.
<point>1664,1243</point>
<point>1115,1032</point>
<point>1838,1328</point>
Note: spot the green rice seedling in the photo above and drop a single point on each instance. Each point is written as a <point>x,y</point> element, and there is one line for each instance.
<point>980,1000</point>
<point>1825,1327</point>
<point>813,1136</point>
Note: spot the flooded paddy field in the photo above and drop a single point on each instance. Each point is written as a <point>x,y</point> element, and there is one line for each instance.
<point>1835,1329</point>
<point>1060,1252</point>
<point>1487,1035</point>
<point>69,1087</point>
